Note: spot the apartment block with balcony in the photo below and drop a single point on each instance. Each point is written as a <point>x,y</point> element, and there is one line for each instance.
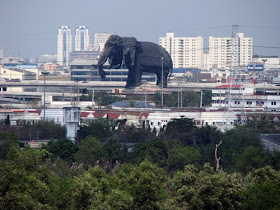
<point>186,52</point>
<point>229,52</point>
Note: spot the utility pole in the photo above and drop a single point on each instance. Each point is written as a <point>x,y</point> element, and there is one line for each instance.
<point>44,96</point>
<point>264,60</point>
<point>201,94</point>
<point>162,82</point>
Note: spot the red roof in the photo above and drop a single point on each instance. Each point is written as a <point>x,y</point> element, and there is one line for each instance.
<point>227,86</point>
<point>38,112</point>
<point>145,115</point>
<point>113,116</point>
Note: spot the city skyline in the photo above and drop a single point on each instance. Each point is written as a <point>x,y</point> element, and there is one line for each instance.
<point>30,28</point>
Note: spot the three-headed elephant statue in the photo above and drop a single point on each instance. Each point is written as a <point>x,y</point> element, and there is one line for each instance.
<point>138,57</point>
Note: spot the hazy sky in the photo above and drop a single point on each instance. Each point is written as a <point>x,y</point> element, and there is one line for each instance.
<point>29,27</point>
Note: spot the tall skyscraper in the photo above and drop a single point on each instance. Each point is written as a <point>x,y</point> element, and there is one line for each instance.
<point>81,39</point>
<point>186,52</point>
<point>229,52</point>
<point>64,45</point>
<point>101,39</point>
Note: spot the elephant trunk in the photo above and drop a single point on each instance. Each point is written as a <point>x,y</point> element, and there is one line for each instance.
<point>102,59</point>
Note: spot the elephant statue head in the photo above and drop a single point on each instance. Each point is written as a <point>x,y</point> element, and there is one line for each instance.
<point>113,51</point>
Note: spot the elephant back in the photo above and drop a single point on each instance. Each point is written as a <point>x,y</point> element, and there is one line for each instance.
<point>150,54</point>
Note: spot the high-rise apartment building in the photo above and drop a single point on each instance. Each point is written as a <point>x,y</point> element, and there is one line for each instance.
<point>64,45</point>
<point>82,38</point>
<point>230,52</point>
<point>101,39</point>
<point>186,52</point>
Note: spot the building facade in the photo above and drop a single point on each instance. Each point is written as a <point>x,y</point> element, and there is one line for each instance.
<point>82,38</point>
<point>186,52</point>
<point>64,45</point>
<point>269,62</point>
<point>241,98</point>
<point>101,39</point>
<point>84,69</point>
<point>230,52</point>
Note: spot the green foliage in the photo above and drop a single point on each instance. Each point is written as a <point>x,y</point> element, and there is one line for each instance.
<point>182,129</point>
<point>262,124</point>
<point>89,189</point>
<point>171,100</point>
<point>119,199</point>
<point>131,134</point>
<point>23,184</point>
<point>191,99</point>
<point>265,195</point>
<point>206,134</point>
<point>274,158</point>
<point>99,128</point>
<point>64,169</point>
<point>155,151</point>
<point>182,156</point>
<point>157,99</point>
<point>263,192</point>
<point>62,148</point>
<point>9,140</point>
<point>180,125</point>
<point>144,183</point>
<point>234,143</point>
<point>116,151</point>
<point>207,98</point>
<point>90,150</point>
<point>205,190</point>
<point>252,158</point>
<point>49,130</point>
<point>104,98</point>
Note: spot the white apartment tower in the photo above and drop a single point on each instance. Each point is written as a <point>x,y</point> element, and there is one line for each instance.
<point>101,39</point>
<point>81,39</point>
<point>186,52</point>
<point>64,45</point>
<point>229,52</point>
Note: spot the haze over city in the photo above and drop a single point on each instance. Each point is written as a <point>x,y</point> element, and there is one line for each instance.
<point>29,28</point>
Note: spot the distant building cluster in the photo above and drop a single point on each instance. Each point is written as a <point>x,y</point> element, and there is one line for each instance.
<point>82,43</point>
<point>221,59</point>
<point>223,53</point>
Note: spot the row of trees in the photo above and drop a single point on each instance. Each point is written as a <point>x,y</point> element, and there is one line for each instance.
<point>173,170</point>
<point>184,98</point>
<point>29,180</point>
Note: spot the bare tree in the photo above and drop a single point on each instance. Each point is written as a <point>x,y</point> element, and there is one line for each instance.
<point>216,157</point>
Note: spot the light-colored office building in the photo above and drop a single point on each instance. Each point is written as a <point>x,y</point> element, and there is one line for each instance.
<point>269,62</point>
<point>47,59</point>
<point>230,52</point>
<point>64,45</point>
<point>100,40</point>
<point>186,52</point>
<point>82,38</point>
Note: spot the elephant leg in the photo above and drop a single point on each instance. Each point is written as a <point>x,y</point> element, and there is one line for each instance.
<point>137,76</point>
<point>130,79</point>
<point>158,78</point>
<point>162,79</point>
